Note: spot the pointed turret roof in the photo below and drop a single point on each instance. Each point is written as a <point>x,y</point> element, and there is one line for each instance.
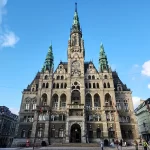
<point>103,59</point>
<point>49,61</point>
<point>76,23</point>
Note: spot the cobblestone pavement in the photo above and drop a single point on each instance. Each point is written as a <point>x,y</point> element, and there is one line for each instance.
<point>72,148</point>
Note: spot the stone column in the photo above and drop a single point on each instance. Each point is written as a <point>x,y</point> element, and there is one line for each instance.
<point>105,130</point>
<point>92,102</point>
<point>58,102</point>
<point>34,126</point>
<point>46,132</point>
<point>118,131</point>
<point>67,132</point>
<point>83,133</point>
<point>82,96</point>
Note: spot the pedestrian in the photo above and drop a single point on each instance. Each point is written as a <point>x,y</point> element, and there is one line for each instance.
<point>136,145</point>
<point>101,145</point>
<point>145,145</point>
<point>121,143</point>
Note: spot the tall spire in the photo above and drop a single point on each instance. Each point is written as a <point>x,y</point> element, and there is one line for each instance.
<point>103,59</point>
<point>49,61</point>
<point>76,23</point>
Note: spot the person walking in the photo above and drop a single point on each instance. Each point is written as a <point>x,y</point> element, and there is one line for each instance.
<point>136,145</point>
<point>145,145</point>
<point>101,145</point>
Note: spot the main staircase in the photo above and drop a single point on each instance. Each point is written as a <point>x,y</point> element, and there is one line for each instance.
<point>75,145</point>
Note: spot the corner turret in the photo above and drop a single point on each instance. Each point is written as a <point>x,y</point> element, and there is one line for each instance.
<point>103,60</point>
<point>49,61</point>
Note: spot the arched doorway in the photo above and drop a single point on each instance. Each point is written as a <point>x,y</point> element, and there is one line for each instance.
<point>75,97</point>
<point>75,133</point>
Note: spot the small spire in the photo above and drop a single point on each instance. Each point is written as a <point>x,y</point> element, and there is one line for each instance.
<point>76,7</point>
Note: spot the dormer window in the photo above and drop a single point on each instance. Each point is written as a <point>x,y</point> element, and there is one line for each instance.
<point>105,77</point>
<point>60,67</point>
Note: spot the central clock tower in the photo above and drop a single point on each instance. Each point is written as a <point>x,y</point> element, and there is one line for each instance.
<point>76,49</point>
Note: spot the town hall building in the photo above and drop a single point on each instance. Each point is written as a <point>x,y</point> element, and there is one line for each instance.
<point>77,102</point>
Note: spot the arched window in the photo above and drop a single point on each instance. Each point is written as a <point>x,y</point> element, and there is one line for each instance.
<point>62,77</point>
<point>88,101</point>
<point>25,119</point>
<point>78,87</point>
<point>94,85</point>
<point>46,85</point>
<point>61,85</point>
<point>93,77</point>
<point>105,76</point>
<point>61,133</point>
<point>108,85</point>
<point>89,85</point>
<point>108,101</point>
<point>65,85</point>
<point>130,135</point>
<point>86,85</point>
<point>46,77</point>
<point>23,133</point>
<point>27,105</point>
<point>32,89</point>
<point>96,100</point>
<point>55,101</point>
<point>63,100</point>
<point>43,85</point>
<point>34,105</point>
<point>40,132</point>
<point>98,132</point>
<point>89,77</point>
<point>44,99</point>
<point>29,133</point>
<point>58,77</point>
<point>57,86</point>
<point>98,85</point>
<point>104,85</point>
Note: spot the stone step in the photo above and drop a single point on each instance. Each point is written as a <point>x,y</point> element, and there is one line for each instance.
<point>75,145</point>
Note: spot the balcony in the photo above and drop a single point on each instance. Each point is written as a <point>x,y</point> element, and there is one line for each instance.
<point>109,108</point>
<point>75,106</point>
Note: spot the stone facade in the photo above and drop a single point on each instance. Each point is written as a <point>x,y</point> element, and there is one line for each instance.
<point>76,102</point>
<point>8,122</point>
<point>142,113</point>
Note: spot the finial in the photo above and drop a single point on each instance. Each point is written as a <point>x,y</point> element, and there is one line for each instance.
<point>76,7</point>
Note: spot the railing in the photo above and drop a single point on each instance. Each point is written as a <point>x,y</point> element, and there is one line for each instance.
<point>75,106</point>
<point>109,108</point>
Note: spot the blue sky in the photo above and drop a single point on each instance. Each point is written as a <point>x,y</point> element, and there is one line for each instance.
<point>28,27</point>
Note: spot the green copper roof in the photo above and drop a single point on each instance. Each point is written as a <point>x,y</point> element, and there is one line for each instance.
<point>49,61</point>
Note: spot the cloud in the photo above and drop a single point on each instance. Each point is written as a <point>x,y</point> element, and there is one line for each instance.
<point>2,10</point>
<point>136,101</point>
<point>14,110</point>
<point>7,38</point>
<point>146,68</point>
<point>149,86</point>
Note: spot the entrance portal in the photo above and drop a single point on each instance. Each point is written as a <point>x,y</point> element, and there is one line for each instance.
<point>75,136</point>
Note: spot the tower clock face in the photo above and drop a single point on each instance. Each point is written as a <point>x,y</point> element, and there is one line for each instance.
<point>75,68</point>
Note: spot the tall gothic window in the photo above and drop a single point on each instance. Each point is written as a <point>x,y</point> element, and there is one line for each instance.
<point>40,132</point>
<point>23,134</point>
<point>27,105</point>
